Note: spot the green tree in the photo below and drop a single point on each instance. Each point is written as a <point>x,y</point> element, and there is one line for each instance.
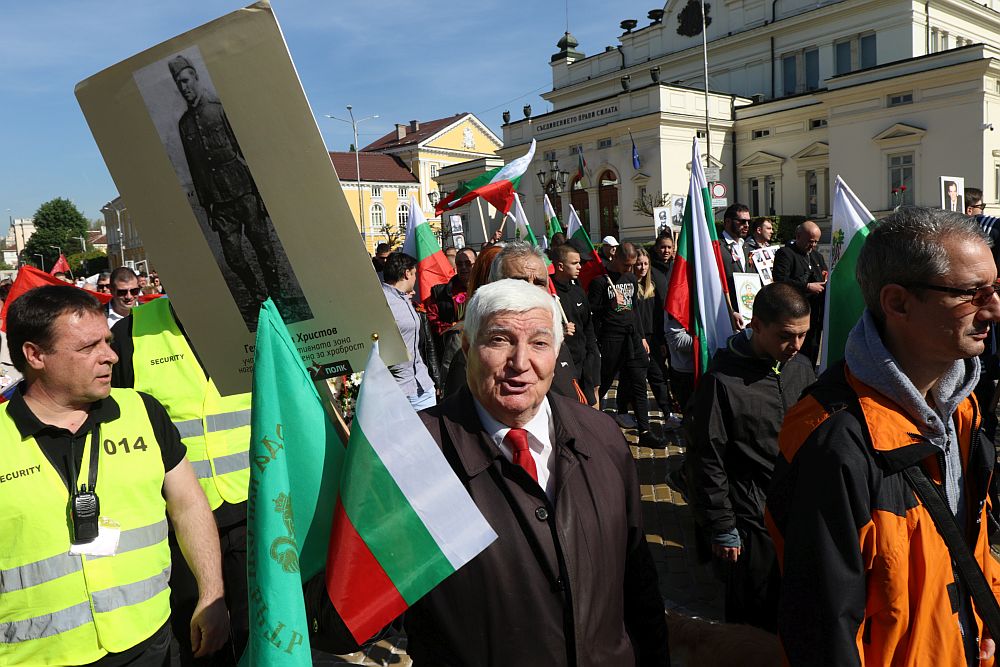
<point>57,223</point>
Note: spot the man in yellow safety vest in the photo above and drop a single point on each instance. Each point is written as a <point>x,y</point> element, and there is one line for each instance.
<point>88,477</point>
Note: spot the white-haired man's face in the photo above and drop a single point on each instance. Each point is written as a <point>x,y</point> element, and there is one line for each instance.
<point>511,364</point>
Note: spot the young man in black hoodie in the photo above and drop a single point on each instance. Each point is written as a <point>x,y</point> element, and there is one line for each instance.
<point>620,336</point>
<point>580,337</point>
<point>733,444</point>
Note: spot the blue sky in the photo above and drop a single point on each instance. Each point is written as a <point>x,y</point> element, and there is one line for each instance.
<point>359,52</point>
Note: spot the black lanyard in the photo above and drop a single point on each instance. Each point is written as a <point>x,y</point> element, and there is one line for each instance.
<point>92,471</point>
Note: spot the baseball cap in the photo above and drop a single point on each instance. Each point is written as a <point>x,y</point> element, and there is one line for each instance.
<point>609,240</point>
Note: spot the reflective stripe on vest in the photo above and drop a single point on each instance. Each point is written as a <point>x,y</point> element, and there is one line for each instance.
<point>215,429</point>
<point>58,609</point>
<point>47,569</point>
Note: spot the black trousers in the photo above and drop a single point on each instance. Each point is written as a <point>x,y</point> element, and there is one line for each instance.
<point>753,581</point>
<point>682,385</point>
<point>656,376</point>
<point>184,593</point>
<point>623,356</point>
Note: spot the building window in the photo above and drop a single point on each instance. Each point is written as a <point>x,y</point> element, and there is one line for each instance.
<point>817,123</point>
<point>642,192</point>
<point>402,193</point>
<point>842,57</point>
<point>377,217</point>
<point>574,150</point>
<point>762,196</point>
<point>604,143</point>
<point>812,193</point>
<point>701,134</point>
<point>760,134</point>
<point>855,53</point>
<point>899,99</point>
<point>788,74</point>
<point>996,181</point>
<point>434,171</point>
<point>376,191</point>
<point>868,56</point>
<point>812,69</point>
<point>549,156</point>
<point>402,215</point>
<point>934,40</point>
<point>944,41</point>
<point>901,176</point>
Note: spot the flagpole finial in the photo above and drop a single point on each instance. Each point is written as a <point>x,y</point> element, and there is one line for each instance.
<point>374,336</point>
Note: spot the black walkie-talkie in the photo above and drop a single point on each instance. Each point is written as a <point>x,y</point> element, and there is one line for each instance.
<point>86,511</point>
<point>84,505</point>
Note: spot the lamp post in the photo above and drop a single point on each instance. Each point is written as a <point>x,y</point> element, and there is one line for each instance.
<point>121,237</point>
<point>41,258</point>
<point>434,198</point>
<point>83,258</point>
<point>553,180</point>
<point>357,162</point>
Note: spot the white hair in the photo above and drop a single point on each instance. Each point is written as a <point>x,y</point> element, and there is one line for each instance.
<point>509,296</point>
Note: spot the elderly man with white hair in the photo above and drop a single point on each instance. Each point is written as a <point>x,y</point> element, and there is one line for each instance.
<point>570,581</point>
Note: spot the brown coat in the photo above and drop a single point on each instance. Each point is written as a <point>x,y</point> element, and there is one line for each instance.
<point>569,582</point>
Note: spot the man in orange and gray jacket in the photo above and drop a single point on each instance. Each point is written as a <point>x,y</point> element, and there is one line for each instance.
<point>866,576</point>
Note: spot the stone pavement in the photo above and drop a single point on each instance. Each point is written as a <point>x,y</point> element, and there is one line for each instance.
<point>685,585</point>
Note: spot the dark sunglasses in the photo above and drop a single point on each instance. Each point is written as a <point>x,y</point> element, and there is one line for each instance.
<point>101,287</point>
<point>135,291</point>
<point>980,295</point>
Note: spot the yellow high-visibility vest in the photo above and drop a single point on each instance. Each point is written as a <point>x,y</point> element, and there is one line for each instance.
<point>215,429</point>
<point>58,609</point>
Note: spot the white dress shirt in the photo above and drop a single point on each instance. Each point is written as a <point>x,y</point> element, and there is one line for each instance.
<point>541,434</point>
<point>737,252</point>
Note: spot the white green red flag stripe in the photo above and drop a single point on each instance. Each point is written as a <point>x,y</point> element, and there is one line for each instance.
<point>403,521</point>
<point>696,296</point>
<point>581,167</point>
<point>433,268</point>
<point>552,226</point>
<point>496,186</point>
<point>844,303</point>
<point>593,267</point>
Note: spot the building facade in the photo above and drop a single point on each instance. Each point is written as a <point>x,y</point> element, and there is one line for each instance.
<point>884,93</point>
<point>124,245</point>
<point>382,194</point>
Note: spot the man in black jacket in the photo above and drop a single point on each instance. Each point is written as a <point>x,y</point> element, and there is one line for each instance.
<point>735,228</point>
<point>799,264</point>
<point>733,435</point>
<point>580,337</point>
<point>620,336</point>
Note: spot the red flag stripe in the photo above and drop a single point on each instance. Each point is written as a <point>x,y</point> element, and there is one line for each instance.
<point>367,594</point>
<point>28,278</point>
<point>500,194</point>
<point>432,270</point>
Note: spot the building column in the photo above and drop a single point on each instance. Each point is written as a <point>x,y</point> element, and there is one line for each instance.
<point>594,224</point>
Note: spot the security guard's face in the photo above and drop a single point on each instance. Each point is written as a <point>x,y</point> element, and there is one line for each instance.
<point>188,85</point>
<point>76,367</point>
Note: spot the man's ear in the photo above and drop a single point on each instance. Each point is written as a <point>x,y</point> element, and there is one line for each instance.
<point>34,355</point>
<point>895,301</point>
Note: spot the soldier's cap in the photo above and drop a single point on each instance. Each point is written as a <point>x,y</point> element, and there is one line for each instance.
<point>179,63</point>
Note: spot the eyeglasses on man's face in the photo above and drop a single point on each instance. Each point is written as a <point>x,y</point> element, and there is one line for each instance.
<point>103,287</point>
<point>978,296</point>
<point>135,291</point>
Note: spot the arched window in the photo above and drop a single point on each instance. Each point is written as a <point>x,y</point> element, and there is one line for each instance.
<point>377,217</point>
<point>607,202</point>
<point>402,215</point>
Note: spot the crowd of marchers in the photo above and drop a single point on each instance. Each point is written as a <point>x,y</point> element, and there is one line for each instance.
<point>849,514</point>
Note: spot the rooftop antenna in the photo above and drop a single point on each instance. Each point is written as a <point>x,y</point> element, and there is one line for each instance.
<point>567,15</point>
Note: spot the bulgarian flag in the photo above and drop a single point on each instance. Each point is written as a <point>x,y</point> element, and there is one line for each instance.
<point>581,166</point>
<point>552,226</point>
<point>495,186</point>
<point>403,521</point>
<point>843,295</point>
<point>433,268</point>
<point>592,267</point>
<point>696,296</point>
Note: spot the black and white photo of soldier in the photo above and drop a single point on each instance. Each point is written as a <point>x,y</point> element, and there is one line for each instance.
<point>210,165</point>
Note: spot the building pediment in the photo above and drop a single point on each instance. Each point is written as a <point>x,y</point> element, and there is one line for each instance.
<point>761,159</point>
<point>900,133</point>
<point>817,149</point>
<point>712,162</point>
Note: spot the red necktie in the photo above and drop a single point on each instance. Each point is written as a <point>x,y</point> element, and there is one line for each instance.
<point>517,440</point>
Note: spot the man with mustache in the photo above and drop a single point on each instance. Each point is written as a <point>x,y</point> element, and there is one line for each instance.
<point>866,576</point>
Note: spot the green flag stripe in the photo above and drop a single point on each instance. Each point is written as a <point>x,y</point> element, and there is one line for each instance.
<point>426,243</point>
<point>845,297</point>
<point>387,523</point>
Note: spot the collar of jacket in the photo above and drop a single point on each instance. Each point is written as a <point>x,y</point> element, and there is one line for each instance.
<point>477,452</point>
<point>740,349</point>
<point>895,436</point>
